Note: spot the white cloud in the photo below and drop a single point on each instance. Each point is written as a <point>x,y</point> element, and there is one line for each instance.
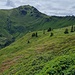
<point>50,7</point>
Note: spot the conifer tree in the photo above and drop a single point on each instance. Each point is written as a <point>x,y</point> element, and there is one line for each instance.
<point>66,31</point>
<point>33,34</point>
<point>49,29</point>
<point>28,41</point>
<point>72,29</point>
<point>36,34</point>
<point>44,31</point>
<point>51,34</point>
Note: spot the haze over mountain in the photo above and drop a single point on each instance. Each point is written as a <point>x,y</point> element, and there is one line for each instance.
<point>49,7</point>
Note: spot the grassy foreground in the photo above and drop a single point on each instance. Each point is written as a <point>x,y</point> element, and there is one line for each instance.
<point>44,55</point>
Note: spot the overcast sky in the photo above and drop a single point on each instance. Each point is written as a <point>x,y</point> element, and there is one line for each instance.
<point>49,7</point>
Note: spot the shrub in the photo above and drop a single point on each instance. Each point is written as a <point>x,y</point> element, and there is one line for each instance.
<point>36,34</point>
<point>28,41</point>
<point>33,34</point>
<point>72,29</point>
<point>49,29</point>
<point>66,31</point>
<point>51,34</point>
<point>44,31</point>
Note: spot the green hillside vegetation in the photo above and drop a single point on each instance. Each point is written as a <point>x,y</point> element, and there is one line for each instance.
<point>15,23</point>
<point>42,55</point>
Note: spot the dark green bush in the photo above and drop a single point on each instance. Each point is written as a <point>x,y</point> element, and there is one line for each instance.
<point>34,34</point>
<point>66,31</point>
<point>49,29</point>
<point>72,29</point>
<point>51,34</point>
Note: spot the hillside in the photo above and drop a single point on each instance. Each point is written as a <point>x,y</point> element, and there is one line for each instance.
<point>15,23</point>
<point>44,55</point>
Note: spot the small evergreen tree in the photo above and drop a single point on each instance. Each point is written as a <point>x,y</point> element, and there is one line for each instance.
<point>72,29</point>
<point>44,31</point>
<point>33,34</point>
<point>51,34</point>
<point>28,41</point>
<point>36,34</point>
<point>66,31</point>
<point>49,29</point>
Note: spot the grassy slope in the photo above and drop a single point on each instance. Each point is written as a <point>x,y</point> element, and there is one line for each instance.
<point>43,55</point>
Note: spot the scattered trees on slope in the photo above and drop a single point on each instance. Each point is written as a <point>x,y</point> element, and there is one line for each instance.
<point>51,33</point>
<point>72,30</point>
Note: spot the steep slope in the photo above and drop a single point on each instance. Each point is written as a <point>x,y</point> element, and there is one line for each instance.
<point>18,21</point>
<point>43,55</point>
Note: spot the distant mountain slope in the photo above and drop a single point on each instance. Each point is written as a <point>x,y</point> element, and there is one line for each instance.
<point>44,55</point>
<point>17,22</point>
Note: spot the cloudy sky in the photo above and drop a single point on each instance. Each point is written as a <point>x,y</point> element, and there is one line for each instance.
<point>49,7</point>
